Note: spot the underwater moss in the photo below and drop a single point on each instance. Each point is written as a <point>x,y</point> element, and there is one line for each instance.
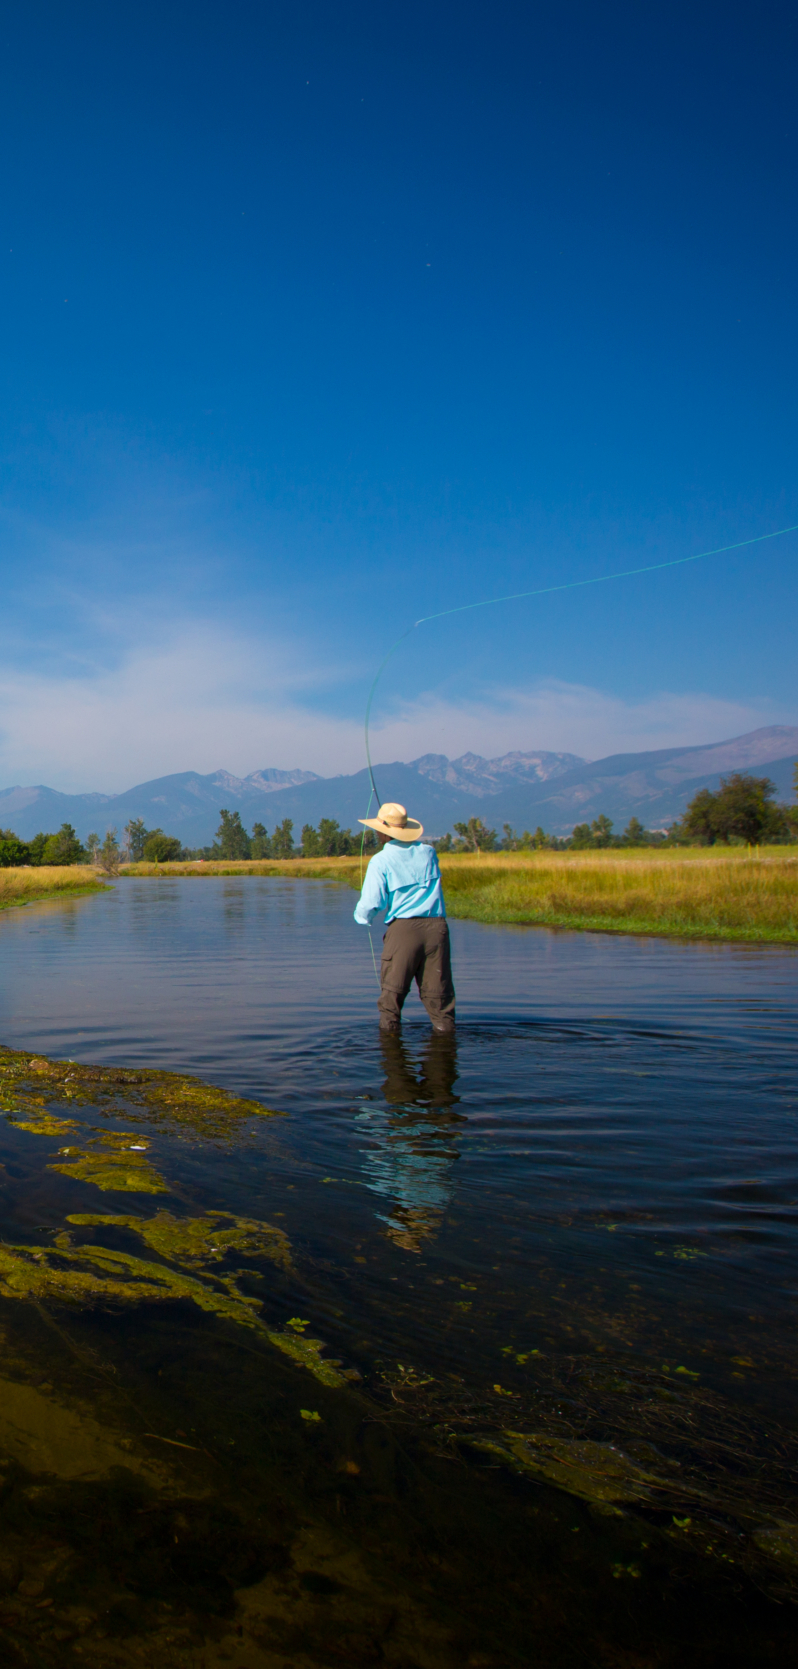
<point>44,1123</point>
<point>116,1163</point>
<point>29,1083</point>
<point>307,1352</point>
<point>596,1472</point>
<point>93,1276</point>
<point>200,1241</point>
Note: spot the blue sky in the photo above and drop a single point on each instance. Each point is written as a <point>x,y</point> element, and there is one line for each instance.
<point>316,319</point>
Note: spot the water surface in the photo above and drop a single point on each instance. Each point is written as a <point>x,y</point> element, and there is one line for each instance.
<point>576,1224</point>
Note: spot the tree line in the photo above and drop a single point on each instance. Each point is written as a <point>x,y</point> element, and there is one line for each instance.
<point>743,810</point>
<point>329,840</point>
<point>233,843</point>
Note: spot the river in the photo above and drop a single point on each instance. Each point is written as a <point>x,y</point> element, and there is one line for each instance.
<point>553,1264</point>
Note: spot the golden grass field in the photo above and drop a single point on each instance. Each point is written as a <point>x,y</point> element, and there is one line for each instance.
<point>687,892</point>
<point>25,886</point>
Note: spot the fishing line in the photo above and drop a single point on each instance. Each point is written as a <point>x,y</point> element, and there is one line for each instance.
<point>543,591</point>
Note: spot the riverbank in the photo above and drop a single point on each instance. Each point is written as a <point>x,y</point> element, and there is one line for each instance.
<point>740,894</point>
<point>691,893</point>
<point>30,886</point>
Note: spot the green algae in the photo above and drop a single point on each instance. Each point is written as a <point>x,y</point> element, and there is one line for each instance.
<point>113,1164</point>
<point>44,1123</point>
<point>100,1276</point>
<point>200,1241</point>
<point>597,1472</point>
<point>30,1083</point>
<point>91,1276</point>
<point>307,1354</point>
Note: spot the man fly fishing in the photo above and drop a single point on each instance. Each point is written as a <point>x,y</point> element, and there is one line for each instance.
<point>404,879</point>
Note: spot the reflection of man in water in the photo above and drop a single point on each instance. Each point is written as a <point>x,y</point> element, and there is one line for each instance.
<point>413,1150</point>
<point>404,879</point>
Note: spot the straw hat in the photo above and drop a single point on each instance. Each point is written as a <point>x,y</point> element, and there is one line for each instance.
<point>392,820</point>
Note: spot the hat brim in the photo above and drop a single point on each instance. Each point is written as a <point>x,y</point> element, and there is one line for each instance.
<point>407,831</point>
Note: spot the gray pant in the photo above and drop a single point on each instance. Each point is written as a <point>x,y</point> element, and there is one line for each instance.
<point>417,948</point>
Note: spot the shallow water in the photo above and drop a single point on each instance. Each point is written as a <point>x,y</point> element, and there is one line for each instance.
<point>576,1224</point>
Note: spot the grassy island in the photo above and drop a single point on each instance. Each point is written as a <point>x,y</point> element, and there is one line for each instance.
<point>28,886</point>
<point>726,892</point>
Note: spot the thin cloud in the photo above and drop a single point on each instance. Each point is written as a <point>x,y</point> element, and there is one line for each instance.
<point>212,699</point>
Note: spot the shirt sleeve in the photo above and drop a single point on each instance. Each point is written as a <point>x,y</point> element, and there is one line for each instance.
<point>374,896</point>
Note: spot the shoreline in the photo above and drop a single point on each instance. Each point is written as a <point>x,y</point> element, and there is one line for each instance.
<point>36,886</point>
<point>732,895</point>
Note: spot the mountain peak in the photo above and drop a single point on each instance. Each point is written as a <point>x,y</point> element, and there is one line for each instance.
<point>523,788</point>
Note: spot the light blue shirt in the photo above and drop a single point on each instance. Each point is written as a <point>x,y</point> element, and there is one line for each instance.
<point>404,879</point>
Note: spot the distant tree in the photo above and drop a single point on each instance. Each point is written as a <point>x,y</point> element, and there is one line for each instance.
<point>791,812</point>
<point>36,848</point>
<point>742,809</point>
<point>330,833</point>
<point>136,836</point>
<point>63,848</point>
<point>444,844</point>
<point>92,843</point>
<point>328,841</point>
<point>700,821</point>
<point>335,842</point>
<point>283,840</point>
<point>161,848</point>
<point>525,842</point>
<point>232,836</point>
<point>260,845</point>
<point>310,841</point>
<point>635,834</point>
<point>747,809</point>
<point>13,851</point>
<point>601,830</point>
<point>108,853</point>
<point>476,836</point>
<point>592,836</point>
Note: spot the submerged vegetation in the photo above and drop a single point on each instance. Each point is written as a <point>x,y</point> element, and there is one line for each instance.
<point>191,1252</point>
<point>644,1465</point>
<point>101,1276</point>
<point>113,1163</point>
<point>200,1241</point>
<point>30,1084</point>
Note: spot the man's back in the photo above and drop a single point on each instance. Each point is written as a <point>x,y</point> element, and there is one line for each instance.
<point>405,879</point>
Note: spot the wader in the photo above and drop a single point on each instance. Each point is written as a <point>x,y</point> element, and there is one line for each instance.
<point>417,948</point>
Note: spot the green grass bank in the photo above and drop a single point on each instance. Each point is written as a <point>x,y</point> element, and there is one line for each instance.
<point>30,886</point>
<point>732,893</point>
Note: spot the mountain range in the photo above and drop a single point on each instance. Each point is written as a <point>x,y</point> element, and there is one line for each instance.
<point>556,790</point>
